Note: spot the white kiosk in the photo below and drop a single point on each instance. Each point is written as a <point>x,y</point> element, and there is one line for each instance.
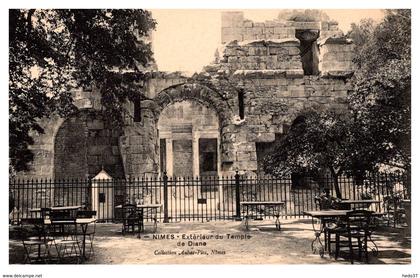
<point>103,196</point>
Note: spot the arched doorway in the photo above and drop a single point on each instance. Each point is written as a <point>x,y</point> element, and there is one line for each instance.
<point>84,144</point>
<point>208,105</point>
<point>189,139</point>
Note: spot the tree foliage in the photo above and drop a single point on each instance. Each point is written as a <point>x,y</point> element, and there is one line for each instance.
<point>381,98</point>
<point>52,52</point>
<point>318,141</point>
<point>375,131</point>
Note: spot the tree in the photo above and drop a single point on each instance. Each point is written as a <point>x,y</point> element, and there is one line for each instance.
<point>315,142</point>
<point>52,52</point>
<point>381,98</point>
<point>375,131</point>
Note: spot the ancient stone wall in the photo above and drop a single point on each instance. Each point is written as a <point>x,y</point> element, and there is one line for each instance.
<point>236,27</point>
<point>84,144</point>
<point>262,60</point>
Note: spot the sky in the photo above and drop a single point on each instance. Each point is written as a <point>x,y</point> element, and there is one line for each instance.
<point>186,40</point>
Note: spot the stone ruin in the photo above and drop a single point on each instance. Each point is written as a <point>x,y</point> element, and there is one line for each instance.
<point>266,74</point>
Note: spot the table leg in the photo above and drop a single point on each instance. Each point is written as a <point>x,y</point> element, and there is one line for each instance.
<point>278,227</point>
<point>155,220</point>
<point>246,222</point>
<point>316,244</point>
<point>140,222</point>
<point>84,229</point>
<point>374,248</point>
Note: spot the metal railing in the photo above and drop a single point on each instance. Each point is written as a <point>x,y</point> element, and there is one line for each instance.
<point>200,198</point>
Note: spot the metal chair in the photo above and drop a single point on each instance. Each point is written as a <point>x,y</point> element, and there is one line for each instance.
<point>35,240</point>
<point>357,226</point>
<point>131,218</point>
<point>90,229</point>
<point>64,229</point>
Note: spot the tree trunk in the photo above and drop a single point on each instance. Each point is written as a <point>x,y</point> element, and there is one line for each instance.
<point>335,180</point>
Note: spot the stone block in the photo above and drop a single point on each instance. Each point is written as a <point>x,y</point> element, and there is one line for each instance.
<point>135,140</point>
<point>249,37</point>
<point>278,50</point>
<point>294,73</point>
<point>245,165</point>
<point>270,23</point>
<point>248,23</point>
<point>242,156</point>
<point>268,82</point>
<point>257,30</point>
<point>283,94</point>
<point>266,118</point>
<point>253,156</point>
<point>233,59</point>
<point>268,30</point>
<point>339,94</point>
<point>293,50</point>
<point>298,93</point>
<point>261,36</point>
<point>307,25</point>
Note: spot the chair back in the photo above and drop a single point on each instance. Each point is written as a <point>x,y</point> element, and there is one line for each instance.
<point>60,215</point>
<point>45,213</point>
<point>322,203</point>
<point>31,227</point>
<point>129,211</point>
<point>359,220</point>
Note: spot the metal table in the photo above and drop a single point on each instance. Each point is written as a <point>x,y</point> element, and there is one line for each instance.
<point>57,208</point>
<point>83,222</point>
<point>66,208</point>
<point>264,208</point>
<point>150,209</point>
<point>319,228</point>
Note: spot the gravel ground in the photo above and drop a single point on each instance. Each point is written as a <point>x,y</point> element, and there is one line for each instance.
<point>226,242</point>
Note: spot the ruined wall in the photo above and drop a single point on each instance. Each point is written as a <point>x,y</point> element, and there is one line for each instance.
<point>84,144</point>
<point>138,145</point>
<point>236,27</point>
<point>139,142</point>
<point>76,147</point>
<point>264,60</point>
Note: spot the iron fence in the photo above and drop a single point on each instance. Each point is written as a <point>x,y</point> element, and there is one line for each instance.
<point>201,198</point>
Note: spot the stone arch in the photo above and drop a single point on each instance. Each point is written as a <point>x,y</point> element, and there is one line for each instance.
<point>207,97</point>
<point>193,91</point>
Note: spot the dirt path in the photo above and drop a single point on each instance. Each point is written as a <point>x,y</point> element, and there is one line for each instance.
<point>226,243</point>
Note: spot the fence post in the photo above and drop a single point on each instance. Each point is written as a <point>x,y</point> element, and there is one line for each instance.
<point>165,198</point>
<point>238,196</point>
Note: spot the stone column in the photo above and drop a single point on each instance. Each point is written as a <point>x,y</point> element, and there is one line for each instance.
<point>169,158</point>
<point>196,153</point>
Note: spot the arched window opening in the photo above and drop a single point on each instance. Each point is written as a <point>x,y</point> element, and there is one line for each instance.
<point>241,96</point>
